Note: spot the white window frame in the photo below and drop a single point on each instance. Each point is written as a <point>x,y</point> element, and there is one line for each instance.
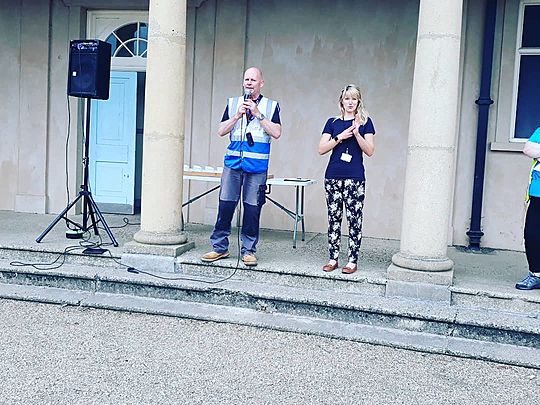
<point>506,64</point>
<point>111,20</point>
<point>520,51</point>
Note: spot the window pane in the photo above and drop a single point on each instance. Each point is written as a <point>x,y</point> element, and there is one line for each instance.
<point>127,32</point>
<point>112,40</point>
<point>143,31</point>
<point>142,48</point>
<point>143,38</point>
<point>123,52</point>
<point>531,27</point>
<point>527,117</point>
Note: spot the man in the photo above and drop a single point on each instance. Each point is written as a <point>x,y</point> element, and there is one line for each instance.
<point>251,122</point>
<point>532,221</point>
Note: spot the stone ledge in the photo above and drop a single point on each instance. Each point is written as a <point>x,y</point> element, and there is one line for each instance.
<point>416,290</point>
<point>154,258</point>
<point>134,247</point>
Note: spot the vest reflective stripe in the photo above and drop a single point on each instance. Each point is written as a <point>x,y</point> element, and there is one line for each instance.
<point>248,154</point>
<point>257,137</point>
<point>242,127</point>
<point>535,167</point>
<point>252,159</point>
<point>257,148</point>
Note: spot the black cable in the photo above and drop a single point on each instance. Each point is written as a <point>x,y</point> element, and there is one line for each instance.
<point>126,223</point>
<point>92,245</point>
<point>87,244</point>
<point>134,270</point>
<point>47,266</point>
<point>52,265</point>
<point>66,152</point>
<point>68,225</point>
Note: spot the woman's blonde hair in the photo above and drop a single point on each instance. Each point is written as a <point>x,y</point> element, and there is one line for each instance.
<point>351,90</point>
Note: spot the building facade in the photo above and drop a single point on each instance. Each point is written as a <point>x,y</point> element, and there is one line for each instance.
<point>419,63</point>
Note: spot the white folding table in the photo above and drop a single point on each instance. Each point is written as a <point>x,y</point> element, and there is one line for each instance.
<point>299,185</point>
<point>297,215</point>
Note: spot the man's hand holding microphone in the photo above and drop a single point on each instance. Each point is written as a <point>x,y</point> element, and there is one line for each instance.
<point>248,104</point>
<point>251,106</point>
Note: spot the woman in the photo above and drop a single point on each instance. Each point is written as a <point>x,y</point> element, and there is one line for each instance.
<point>348,136</point>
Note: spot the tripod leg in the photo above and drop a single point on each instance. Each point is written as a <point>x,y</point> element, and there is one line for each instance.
<point>93,205</point>
<point>57,219</point>
<point>90,211</point>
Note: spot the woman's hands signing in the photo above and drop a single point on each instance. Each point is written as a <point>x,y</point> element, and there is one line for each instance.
<point>347,133</point>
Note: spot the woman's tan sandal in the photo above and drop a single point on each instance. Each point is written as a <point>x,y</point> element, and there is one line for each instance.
<point>349,270</point>
<point>330,267</point>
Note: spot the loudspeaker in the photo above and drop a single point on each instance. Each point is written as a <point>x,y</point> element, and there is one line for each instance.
<point>89,68</point>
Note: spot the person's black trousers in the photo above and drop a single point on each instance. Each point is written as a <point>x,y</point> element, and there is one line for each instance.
<point>532,235</point>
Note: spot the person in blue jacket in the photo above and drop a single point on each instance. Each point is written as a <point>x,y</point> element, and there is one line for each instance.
<point>532,220</point>
<point>251,121</point>
<point>349,136</point>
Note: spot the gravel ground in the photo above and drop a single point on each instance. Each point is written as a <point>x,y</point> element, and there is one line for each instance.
<point>68,355</point>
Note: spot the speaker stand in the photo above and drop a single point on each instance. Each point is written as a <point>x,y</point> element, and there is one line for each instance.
<point>90,208</point>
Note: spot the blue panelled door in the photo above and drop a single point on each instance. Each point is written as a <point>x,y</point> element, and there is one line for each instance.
<point>112,145</point>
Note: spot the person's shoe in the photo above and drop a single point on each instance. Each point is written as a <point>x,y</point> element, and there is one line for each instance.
<point>530,282</point>
<point>249,259</point>
<point>213,256</point>
<point>349,270</point>
<point>330,267</point>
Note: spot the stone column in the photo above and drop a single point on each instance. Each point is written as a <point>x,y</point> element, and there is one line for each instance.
<point>163,146</point>
<point>422,263</point>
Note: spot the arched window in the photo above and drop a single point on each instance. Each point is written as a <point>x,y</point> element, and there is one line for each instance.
<point>129,41</point>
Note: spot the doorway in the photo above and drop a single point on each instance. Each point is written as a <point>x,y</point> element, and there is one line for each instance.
<point>116,125</point>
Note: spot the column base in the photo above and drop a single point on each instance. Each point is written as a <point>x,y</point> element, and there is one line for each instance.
<point>154,258</point>
<point>160,238</point>
<point>424,285</point>
<point>422,263</point>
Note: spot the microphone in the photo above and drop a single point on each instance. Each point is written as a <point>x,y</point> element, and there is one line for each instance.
<point>247,94</point>
<point>250,140</point>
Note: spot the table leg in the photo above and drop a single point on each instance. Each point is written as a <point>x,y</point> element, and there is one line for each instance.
<point>296,211</point>
<point>302,213</point>
<point>195,199</point>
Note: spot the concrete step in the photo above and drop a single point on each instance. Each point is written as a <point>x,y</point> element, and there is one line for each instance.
<point>309,277</point>
<point>498,299</point>
<point>370,282</point>
<point>303,305</point>
<point>375,334</point>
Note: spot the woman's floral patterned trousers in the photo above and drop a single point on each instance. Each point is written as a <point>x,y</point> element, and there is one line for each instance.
<point>351,193</point>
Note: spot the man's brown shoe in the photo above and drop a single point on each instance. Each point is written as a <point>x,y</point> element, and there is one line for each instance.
<point>249,259</point>
<point>213,256</point>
